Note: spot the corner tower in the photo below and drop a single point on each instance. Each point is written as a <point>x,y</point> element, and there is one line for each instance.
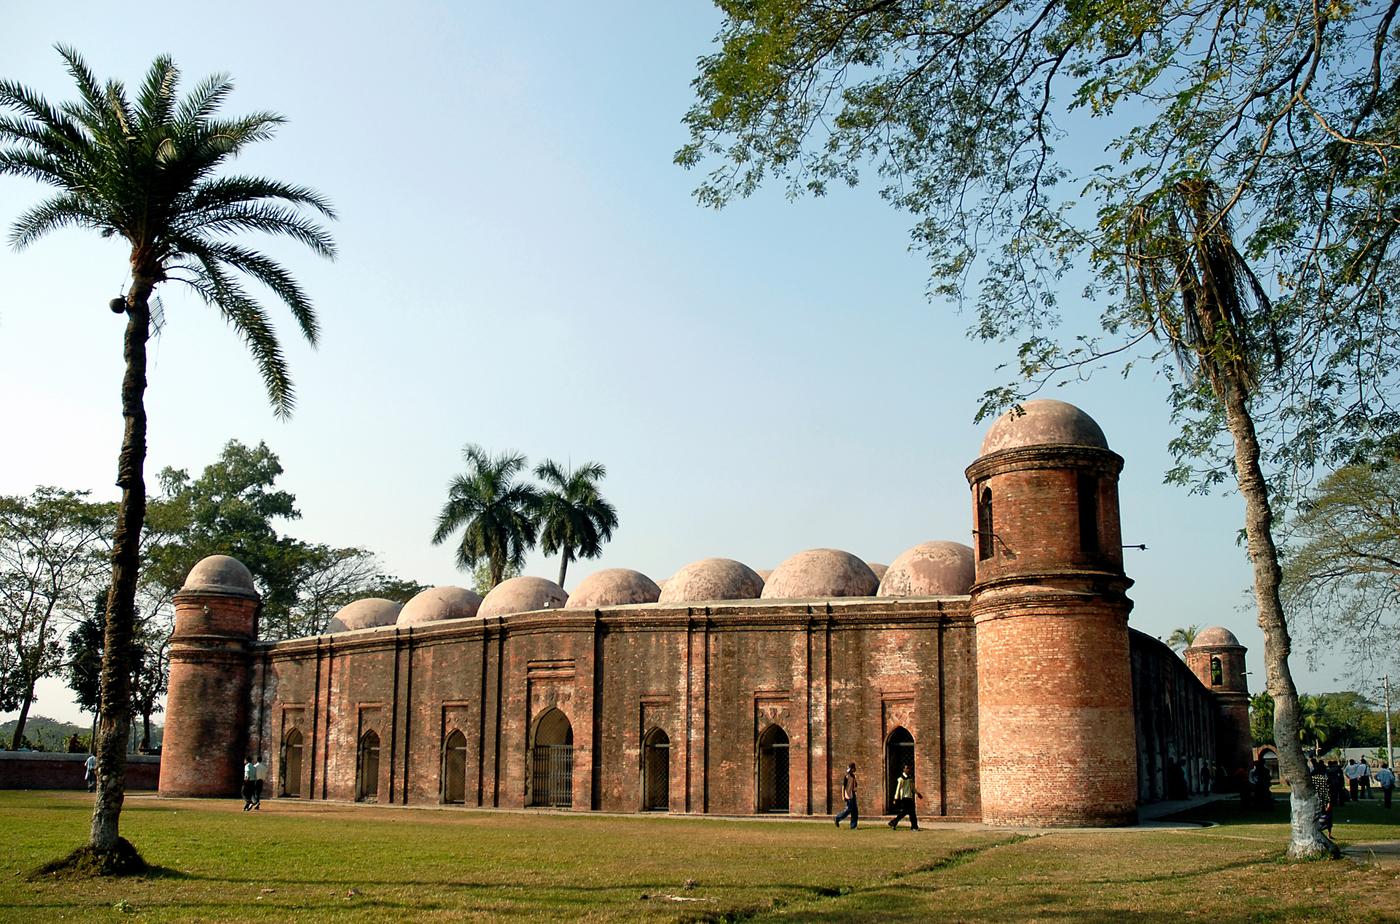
<point>1216,657</point>
<point>1054,686</point>
<point>206,726</point>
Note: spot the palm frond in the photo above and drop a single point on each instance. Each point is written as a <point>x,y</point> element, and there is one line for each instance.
<point>156,100</point>
<point>66,210</point>
<point>266,271</point>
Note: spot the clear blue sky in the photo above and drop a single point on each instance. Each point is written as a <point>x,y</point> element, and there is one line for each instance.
<point>523,267</point>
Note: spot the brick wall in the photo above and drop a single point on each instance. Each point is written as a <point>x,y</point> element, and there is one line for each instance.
<point>40,770</point>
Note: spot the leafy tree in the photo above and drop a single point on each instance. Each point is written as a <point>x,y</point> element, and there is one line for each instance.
<point>498,516</point>
<point>481,576</point>
<point>1261,719</point>
<point>575,520</point>
<point>1342,575</point>
<point>1313,722</point>
<point>145,171</point>
<point>1274,117</point>
<point>1183,638</point>
<point>51,555</point>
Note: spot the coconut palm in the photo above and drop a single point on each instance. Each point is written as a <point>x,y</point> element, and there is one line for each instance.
<point>1198,293</point>
<point>1183,638</point>
<point>498,516</point>
<point>144,170</point>
<point>575,520</point>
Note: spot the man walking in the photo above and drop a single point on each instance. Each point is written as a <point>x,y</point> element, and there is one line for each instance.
<point>259,777</point>
<point>848,792</point>
<point>250,783</point>
<point>904,795</point>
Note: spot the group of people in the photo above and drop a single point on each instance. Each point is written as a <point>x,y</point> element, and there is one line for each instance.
<point>904,795</point>
<point>254,774</point>
<point>1353,781</point>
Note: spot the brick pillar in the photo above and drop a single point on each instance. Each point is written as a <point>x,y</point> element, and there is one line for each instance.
<point>1056,738</point>
<point>206,724</point>
<point>1217,659</point>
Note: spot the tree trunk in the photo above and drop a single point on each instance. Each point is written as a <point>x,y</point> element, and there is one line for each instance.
<point>564,565</point>
<point>1307,839</point>
<point>23,717</point>
<point>145,747</point>
<point>114,720</point>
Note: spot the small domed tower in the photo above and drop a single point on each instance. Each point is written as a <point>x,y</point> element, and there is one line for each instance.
<point>206,725</point>
<point>1217,658</point>
<point>1054,686</point>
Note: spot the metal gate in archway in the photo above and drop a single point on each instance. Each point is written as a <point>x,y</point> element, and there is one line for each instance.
<point>552,776</point>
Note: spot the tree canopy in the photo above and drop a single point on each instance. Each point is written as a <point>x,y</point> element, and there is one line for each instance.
<point>498,515</point>
<point>1342,573</point>
<point>575,519</point>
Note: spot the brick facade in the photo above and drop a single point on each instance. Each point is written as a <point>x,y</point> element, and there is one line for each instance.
<point>1019,702</point>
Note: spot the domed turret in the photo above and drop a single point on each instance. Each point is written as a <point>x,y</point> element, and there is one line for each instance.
<point>930,569</point>
<point>220,574</point>
<point>522,595</point>
<point>1051,613</point>
<point>369,613</point>
<point>614,587</point>
<point>712,579</point>
<point>438,603</point>
<point>820,573</point>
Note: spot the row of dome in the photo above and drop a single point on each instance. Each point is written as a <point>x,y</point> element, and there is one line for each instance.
<point>932,569</point>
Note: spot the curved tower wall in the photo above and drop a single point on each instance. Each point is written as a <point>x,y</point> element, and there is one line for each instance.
<point>1233,742</point>
<point>206,726</point>
<point>1055,707</point>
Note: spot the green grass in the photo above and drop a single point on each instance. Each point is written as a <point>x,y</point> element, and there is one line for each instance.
<point>344,863</point>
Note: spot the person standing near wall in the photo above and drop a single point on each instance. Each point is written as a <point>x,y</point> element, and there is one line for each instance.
<point>848,792</point>
<point>90,772</point>
<point>250,783</point>
<point>904,795</point>
<point>259,779</point>
<point>1385,779</point>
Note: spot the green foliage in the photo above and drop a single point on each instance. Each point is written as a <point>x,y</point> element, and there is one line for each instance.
<point>52,559</point>
<point>959,112</point>
<point>575,519</point>
<point>145,170</point>
<point>1183,637</point>
<point>498,516</point>
<point>481,576</point>
<point>1261,719</point>
<point>1340,572</point>
<point>236,508</point>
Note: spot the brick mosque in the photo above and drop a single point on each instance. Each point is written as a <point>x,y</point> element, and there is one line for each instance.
<point>1004,671</point>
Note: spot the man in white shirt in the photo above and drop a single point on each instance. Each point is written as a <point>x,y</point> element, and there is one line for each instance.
<point>1385,779</point>
<point>260,771</point>
<point>90,772</point>
<point>1353,775</point>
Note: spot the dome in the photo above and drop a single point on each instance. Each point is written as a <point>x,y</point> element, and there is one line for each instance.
<point>1044,422</point>
<point>521,595</point>
<point>438,603</point>
<point>821,573</point>
<point>220,574</point>
<point>878,569</point>
<point>1215,637</point>
<point>712,579</point>
<point>365,614</point>
<point>930,569</point>
<point>614,587</point>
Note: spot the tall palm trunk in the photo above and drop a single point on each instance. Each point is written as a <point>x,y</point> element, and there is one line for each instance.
<point>564,564</point>
<point>1306,839</point>
<point>114,722</point>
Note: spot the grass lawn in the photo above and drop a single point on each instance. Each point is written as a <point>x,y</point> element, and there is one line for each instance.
<point>337,862</point>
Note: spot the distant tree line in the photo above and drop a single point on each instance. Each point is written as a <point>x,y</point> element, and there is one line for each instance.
<point>1327,721</point>
<point>55,549</point>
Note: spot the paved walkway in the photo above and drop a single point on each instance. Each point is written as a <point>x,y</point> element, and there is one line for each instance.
<point>1378,853</point>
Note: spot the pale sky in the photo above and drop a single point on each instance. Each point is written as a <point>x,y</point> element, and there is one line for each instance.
<point>523,267</point>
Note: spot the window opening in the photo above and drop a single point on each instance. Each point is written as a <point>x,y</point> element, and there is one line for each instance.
<point>656,772</point>
<point>367,779</point>
<point>454,768</point>
<point>773,770</point>
<point>985,535</point>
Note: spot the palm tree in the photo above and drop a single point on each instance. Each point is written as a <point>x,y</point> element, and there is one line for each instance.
<point>146,173</point>
<point>1197,291</point>
<point>1313,722</point>
<point>498,515</point>
<point>1183,638</point>
<point>575,519</point>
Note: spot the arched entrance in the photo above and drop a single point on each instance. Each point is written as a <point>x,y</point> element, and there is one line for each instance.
<point>656,771</point>
<point>367,769</point>
<point>899,753</point>
<point>291,765</point>
<point>552,761</point>
<point>773,770</point>
<point>454,768</point>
